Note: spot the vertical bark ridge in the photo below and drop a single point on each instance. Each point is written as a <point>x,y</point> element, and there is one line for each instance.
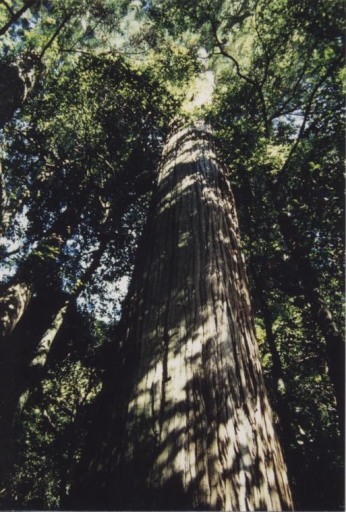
<point>215,446</point>
<point>198,428</point>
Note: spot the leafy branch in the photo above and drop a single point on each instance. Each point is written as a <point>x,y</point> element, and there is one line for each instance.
<point>16,15</point>
<point>253,82</point>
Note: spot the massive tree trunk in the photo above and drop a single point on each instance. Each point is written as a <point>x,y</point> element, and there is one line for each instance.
<point>189,425</point>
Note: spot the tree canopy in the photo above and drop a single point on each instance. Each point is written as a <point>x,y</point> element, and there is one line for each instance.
<point>89,90</point>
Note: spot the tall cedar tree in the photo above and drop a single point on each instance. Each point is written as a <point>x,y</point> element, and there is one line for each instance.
<point>188,424</point>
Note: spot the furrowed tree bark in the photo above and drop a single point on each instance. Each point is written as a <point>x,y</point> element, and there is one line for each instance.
<point>187,424</point>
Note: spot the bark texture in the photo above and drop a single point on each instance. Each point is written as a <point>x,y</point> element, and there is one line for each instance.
<point>198,430</point>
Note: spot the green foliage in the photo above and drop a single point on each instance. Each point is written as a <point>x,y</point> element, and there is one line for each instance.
<point>51,433</point>
<point>93,89</point>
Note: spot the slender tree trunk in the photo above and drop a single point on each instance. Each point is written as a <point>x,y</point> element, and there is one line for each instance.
<point>14,357</point>
<point>28,349</point>
<point>39,356</point>
<point>284,412</point>
<point>23,363</point>
<point>319,310</point>
<point>4,216</point>
<point>37,269</point>
<point>286,417</point>
<point>189,425</point>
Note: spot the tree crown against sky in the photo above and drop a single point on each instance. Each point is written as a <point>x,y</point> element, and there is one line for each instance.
<point>89,91</point>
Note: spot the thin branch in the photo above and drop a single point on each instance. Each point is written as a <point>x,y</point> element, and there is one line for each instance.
<point>8,7</point>
<point>246,78</point>
<point>268,58</point>
<point>49,421</point>
<point>279,111</point>
<point>11,253</point>
<point>106,162</point>
<point>55,35</point>
<point>274,49</point>
<point>228,55</point>
<point>91,269</point>
<point>307,113</point>
<point>16,16</point>
<point>89,54</point>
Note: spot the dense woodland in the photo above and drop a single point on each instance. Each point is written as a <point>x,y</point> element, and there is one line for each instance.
<point>90,91</point>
